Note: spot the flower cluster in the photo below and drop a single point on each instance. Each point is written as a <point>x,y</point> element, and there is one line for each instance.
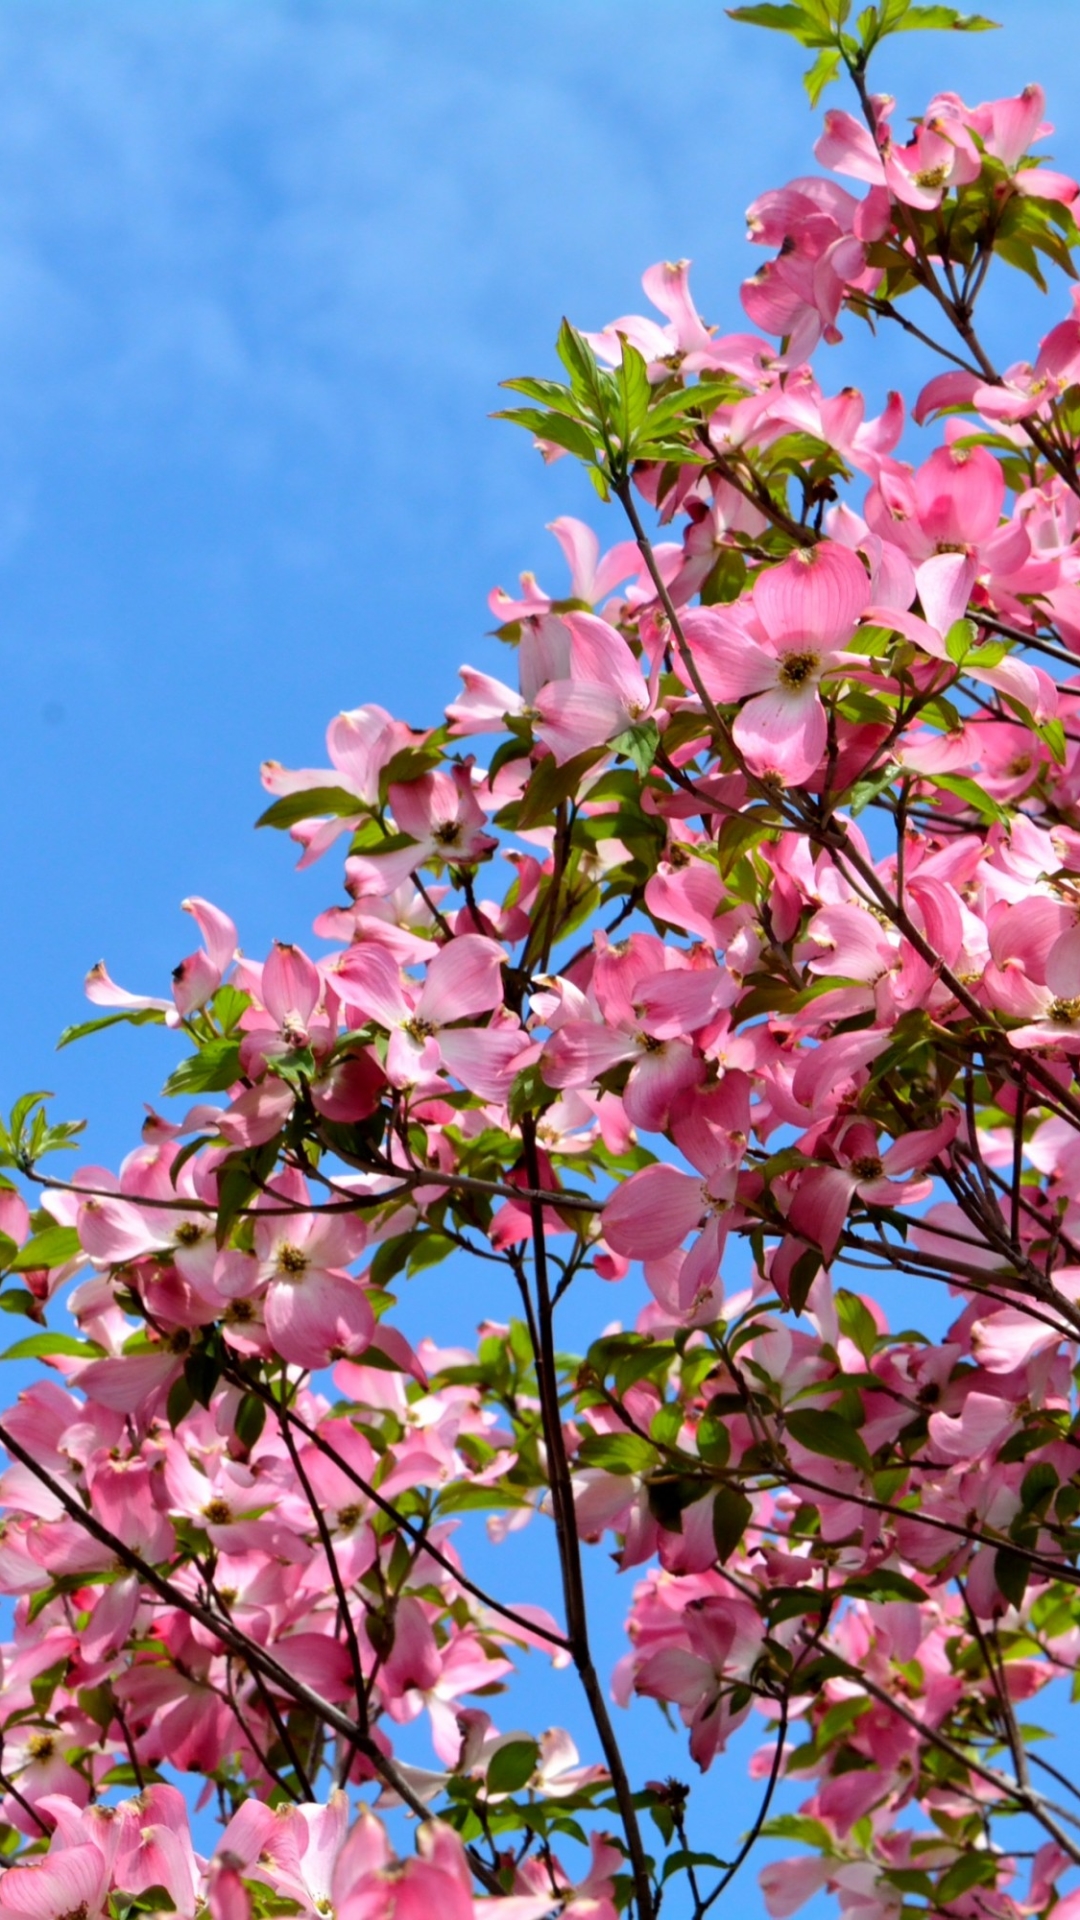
<point>721,963</point>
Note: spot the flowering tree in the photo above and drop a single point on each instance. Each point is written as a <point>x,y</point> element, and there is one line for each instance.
<point>757,920</point>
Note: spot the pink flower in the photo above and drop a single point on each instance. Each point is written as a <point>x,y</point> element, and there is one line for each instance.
<point>777,649</point>
<point>652,1213</point>
<point>445,822</point>
<point>361,745</point>
<point>463,981</point>
<point>315,1312</point>
<point>604,695</point>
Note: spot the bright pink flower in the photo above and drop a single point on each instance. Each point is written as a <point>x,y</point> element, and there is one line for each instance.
<point>315,1312</point>
<point>821,233</point>
<point>445,822</point>
<point>652,1213</point>
<point>604,695</point>
<point>74,1880</point>
<point>361,745</point>
<point>777,650</point>
<point>463,981</point>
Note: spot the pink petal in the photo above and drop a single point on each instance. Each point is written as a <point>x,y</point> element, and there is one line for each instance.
<point>945,582</point>
<point>653,1211</point>
<point>959,493</point>
<point>194,980</point>
<point>656,1081</point>
<point>360,744</point>
<point>783,732</point>
<point>975,1431</point>
<point>682,1001</point>
<point>578,714</point>
<point>582,1049</point>
<point>60,1883</point>
<point>848,147</point>
<point>218,931</point>
<point>290,986</point>
<point>730,663</point>
<point>319,1318</point>
<point>485,1059</point>
<point>814,596</point>
<point>599,653</point>
<point>1014,124</point>
<point>1063,965</point>
<point>104,992</point>
<point>945,390</point>
<point>668,287</point>
<point>369,978</point>
<point>463,979</point>
<point>820,1206</point>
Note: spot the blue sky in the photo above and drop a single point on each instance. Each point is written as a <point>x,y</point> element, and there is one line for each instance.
<point>262,267</point>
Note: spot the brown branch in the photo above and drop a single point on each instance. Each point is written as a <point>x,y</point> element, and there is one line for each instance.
<point>562,1496</point>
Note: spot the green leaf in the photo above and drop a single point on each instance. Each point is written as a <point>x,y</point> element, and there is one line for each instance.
<point>250,1419</point>
<point>238,1178</point>
<point>44,1685</point>
<point>930,18</point>
<point>17,1300</point>
<point>551,784</point>
<point>1018,253</point>
<point>430,1250</point>
<point>1039,1482</point>
<point>1052,734</point>
<point>713,1441</point>
<point>857,1321</point>
<point>179,1403</point>
<point>228,1004</point>
<point>781,19</point>
<point>726,580</point>
<point>666,1424</point>
<point>52,1248</point>
<point>1011,1571</point>
<point>140,1017</point>
<point>803,1274</point>
<point>864,791</point>
<point>617,1452</point>
<point>883,1584</point>
<point>978,1868</point>
<point>634,394</point>
<point>789,1603</point>
<point>731,1515</point>
<point>42,1346</point>
<point>639,744</point>
<point>971,793</point>
<point>151,1900</point>
<point>512,1767</point>
<point>212,1070</point>
<point>466,1498</point>
<point>549,393</point>
<point>568,434</point>
<point>684,1857</point>
<point>821,1431</point>
<point>312,804</point>
<point>29,1135</point>
<point>202,1371</point>
<point>410,763</point>
<point>959,641</point>
<point>742,832</point>
<point>825,70</point>
<point>583,367</point>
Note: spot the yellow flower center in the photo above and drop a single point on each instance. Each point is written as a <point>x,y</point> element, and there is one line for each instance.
<point>797,668</point>
<point>291,1260</point>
